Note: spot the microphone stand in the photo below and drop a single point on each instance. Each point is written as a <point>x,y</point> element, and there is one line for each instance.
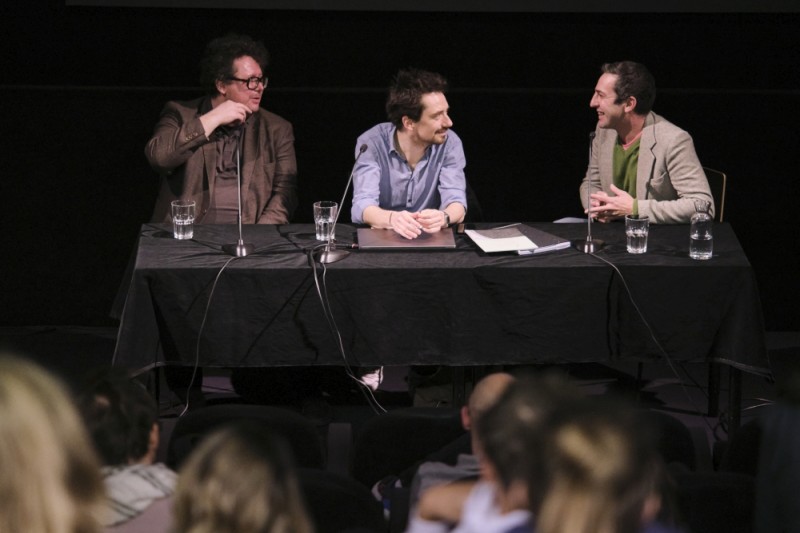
<point>330,254</point>
<point>589,246</point>
<point>239,249</point>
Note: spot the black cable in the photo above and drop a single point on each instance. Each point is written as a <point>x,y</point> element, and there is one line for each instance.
<point>661,349</point>
<point>322,293</point>
<point>200,333</point>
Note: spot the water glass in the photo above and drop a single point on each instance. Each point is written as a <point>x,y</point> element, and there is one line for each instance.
<point>636,230</point>
<point>183,219</point>
<point>701,236</point>
<point>324,216</point>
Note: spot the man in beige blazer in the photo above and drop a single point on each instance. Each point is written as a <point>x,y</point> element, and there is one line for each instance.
<point>640,164</point>
<point>194,145</point>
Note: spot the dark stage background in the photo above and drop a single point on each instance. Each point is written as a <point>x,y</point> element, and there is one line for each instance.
<point>83,86</point>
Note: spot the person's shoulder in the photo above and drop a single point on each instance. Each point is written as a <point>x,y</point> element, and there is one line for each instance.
<point>453,134</point>
<point>378,137</point>
<point>661,124</point>
<point>182,105</point>
<point>378,131</point>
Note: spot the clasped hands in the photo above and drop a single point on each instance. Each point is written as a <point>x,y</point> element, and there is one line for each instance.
<point>606,208</point>
<point>411,225</point>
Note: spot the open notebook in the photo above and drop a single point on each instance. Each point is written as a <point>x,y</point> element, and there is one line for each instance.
<point>519,238</point>
<point>374,239</point>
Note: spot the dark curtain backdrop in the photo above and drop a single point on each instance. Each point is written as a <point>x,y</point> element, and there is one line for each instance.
<point>82,87</point>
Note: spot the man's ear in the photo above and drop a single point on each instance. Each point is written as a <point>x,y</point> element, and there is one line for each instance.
<point>408,124</point>
<point>220,87</point>
<point>630,104</point>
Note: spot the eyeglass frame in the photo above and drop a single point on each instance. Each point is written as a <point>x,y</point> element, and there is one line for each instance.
<point>264,80</point>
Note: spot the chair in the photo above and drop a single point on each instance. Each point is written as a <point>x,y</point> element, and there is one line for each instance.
<point>712,502</point>
<point>742,451</point>
<point>718,182</point>
<point>672,438</point>
<point>474,209</point>
<point>338,503</point>
<point>389,443</point>
<point>299,432</point>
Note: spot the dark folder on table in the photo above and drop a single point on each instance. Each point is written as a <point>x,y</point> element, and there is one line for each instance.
<point>381,239</point>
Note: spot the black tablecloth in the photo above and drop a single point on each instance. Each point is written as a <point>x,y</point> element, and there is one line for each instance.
<point>188,301</point>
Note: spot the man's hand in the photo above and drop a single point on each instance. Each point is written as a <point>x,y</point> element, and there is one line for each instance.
<point>431,220</point>
<point>607,208</point>
<point>406,224</point>
<point>226,113</point>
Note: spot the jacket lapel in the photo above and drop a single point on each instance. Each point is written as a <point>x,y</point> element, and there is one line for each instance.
<point>647,158</point>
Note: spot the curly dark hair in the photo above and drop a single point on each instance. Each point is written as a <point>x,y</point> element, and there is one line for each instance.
<point>217,61</point>
<point>119,414</point>
<point>633,79</point>
<point>406,91</point>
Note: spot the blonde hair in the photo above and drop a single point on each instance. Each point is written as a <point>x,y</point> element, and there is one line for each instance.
<point>49,476</point>
<point>600,472</point>
<point>239,480</point>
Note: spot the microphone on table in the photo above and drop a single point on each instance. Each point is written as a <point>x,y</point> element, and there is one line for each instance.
<point>588,245</point>
<point>239,249</point>
<point>330,255</point>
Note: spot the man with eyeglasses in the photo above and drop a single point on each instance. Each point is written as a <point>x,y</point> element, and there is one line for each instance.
<point>195,143</point>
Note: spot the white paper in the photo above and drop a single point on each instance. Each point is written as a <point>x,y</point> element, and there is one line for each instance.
<point>501,240</point>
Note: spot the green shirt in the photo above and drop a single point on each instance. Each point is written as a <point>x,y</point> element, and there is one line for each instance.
<point>624,167</point>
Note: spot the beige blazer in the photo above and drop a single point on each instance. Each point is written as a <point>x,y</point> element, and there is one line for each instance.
<point>669,176</point>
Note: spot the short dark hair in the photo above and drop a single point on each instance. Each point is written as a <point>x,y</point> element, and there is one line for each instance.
<point>217,62</point>
<point>119,414</point>
<point>633,79</point>
<point>406,91</point>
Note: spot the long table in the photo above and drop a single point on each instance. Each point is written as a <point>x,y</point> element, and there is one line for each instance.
<point>190,303</point>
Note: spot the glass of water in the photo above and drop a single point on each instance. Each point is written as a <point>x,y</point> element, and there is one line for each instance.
<point>183,219</point>
<point>636,230</point>
<point>701,236</point>
<point>324,217</point>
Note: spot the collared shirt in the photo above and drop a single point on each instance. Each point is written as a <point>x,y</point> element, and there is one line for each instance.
<point>224,207</point>
<point>383,178</point>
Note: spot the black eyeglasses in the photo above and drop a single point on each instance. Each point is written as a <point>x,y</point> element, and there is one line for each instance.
<point>252,83</point>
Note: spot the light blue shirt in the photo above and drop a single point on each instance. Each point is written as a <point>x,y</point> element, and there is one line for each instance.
<point>383,178</point>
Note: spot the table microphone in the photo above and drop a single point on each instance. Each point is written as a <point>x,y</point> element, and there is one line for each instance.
<point>239,249</point>
<point>329,255</point>
<point>589,246</point>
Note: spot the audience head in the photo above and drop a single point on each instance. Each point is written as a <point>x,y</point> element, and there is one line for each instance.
<point>122,418</point>
<point>49,478</point>
<point>633,79</point>
<point>483,396</point>
<point>240,479</point>
<point>406,92</point>
<point>217,62</point>
<point>510,426</point>
<point>598,472</point>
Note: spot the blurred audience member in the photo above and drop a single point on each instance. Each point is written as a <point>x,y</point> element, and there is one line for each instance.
<point>464,465</point>
<point>778,467</point>
<point>498,502</point>
<point>122,419</point>
<point>593,470</point>
<point>239,479</point>
<point>49,478</point>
